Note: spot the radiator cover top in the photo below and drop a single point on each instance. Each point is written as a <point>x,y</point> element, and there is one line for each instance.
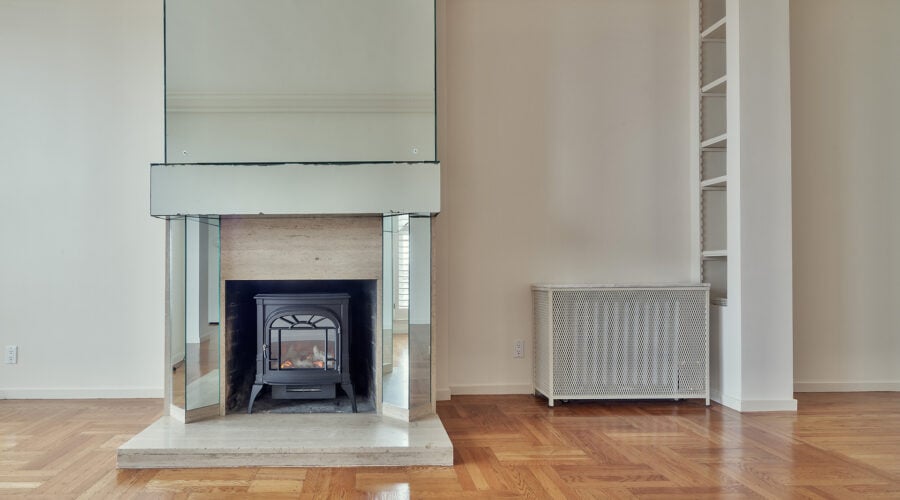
<point>621,341</point>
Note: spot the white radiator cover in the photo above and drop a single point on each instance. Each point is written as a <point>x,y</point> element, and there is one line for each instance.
<point>621,341</point>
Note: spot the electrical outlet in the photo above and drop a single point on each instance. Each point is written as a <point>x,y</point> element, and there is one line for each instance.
<point>519,349</point>
<point>12,354</point>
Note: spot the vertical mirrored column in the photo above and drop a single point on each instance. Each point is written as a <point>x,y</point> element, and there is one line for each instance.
<point>387,296</point>
<point>175,314</point>
<point>406,327</point>
<point>419,311</point>
<point>201,312</point>
<point>395,311</point>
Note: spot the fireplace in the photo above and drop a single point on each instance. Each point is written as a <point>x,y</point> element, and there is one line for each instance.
<point>242,222</point>
<point>302,346</point>
<point>237,259</point>
<point>324,363</point>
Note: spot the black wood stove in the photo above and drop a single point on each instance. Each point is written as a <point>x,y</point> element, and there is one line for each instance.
<point>303,346</point>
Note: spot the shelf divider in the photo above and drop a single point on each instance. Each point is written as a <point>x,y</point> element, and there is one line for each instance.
<point>715,254</point>
<point>719,182</point>
<point>716,31</point>
<point>719,141</point>
<point>717,86</point>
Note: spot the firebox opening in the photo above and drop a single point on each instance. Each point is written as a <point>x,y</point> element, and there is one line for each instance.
<point>240,346</point>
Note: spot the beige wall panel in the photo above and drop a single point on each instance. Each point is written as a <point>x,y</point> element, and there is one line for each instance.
<point>563,142</point>
<point>82,101</point>
<point>301,248</point>
<point>846,178</point>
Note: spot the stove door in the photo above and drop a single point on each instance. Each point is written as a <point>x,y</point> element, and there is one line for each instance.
<point>302,348</point>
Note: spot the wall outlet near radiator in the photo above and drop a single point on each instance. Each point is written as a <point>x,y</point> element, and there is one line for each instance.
<point>12,354</point>
<point>519,349</point>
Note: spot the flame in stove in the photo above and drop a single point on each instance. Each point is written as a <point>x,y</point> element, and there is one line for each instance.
<point>297,357</point>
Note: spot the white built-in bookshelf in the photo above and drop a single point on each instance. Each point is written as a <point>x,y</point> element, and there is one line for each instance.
<point>741,196</point>
<point>713,130</point>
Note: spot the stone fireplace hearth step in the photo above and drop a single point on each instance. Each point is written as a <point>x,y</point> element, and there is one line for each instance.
<point>277,440</point>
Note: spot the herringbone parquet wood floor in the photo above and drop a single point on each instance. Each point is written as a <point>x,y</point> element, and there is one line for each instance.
<point>836,446</point>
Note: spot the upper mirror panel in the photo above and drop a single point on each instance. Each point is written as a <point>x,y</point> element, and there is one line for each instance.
<point>299,81</point>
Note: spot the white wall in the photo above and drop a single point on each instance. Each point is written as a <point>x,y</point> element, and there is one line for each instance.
<point>82,263</point>
<point>846,167</point>
<point>563,161</point>
<point>564,147</point>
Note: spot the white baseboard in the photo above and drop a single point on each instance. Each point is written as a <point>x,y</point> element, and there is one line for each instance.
<point>82,393</point>
<point>868,386</point>
<point>725,400</point>
<point>491,389</point>
<point>750,405</point>
<point>443,394</point>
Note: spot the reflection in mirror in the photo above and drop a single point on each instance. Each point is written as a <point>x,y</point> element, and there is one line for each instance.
<point>419,311</point>
<point>395,276</point>
<point>201,312</point>
<point>407,311</point>
<point>387,296</point>
<point>176,311</point>
<point>299,81</point>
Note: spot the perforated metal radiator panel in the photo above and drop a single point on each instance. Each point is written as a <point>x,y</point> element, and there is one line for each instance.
<point>617,342</point>
<point>541,343</point>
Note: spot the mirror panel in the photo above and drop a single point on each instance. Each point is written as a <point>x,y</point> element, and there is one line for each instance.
<point>300,81</point>
<point>175,310</point>
<point>395,274</point>
<point>407,312</point>
<point>419,311</point>
<point>387,297</point>
<point>201,308</point>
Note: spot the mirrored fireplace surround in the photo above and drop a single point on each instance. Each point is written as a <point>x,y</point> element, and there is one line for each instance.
<point>297,240</point>
<point>283,254</point>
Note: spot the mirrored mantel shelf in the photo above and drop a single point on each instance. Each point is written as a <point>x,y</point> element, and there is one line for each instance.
<point>271,188</point>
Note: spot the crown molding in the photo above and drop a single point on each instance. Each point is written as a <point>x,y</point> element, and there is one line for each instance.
<point>196,102</point>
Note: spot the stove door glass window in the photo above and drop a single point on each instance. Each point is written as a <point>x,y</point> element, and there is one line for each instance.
<point>303,341</point>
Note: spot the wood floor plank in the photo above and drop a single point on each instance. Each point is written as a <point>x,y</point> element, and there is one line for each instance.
<point>552,483</point>
<point>19,485</point>
<point>835,446</point>
<point>537,455</point>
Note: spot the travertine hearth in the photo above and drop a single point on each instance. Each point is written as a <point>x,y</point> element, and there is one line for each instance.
<point>269,440</point>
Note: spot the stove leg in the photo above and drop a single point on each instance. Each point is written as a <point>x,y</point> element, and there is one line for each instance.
<point>253,394</point>
<point>348,388</point>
